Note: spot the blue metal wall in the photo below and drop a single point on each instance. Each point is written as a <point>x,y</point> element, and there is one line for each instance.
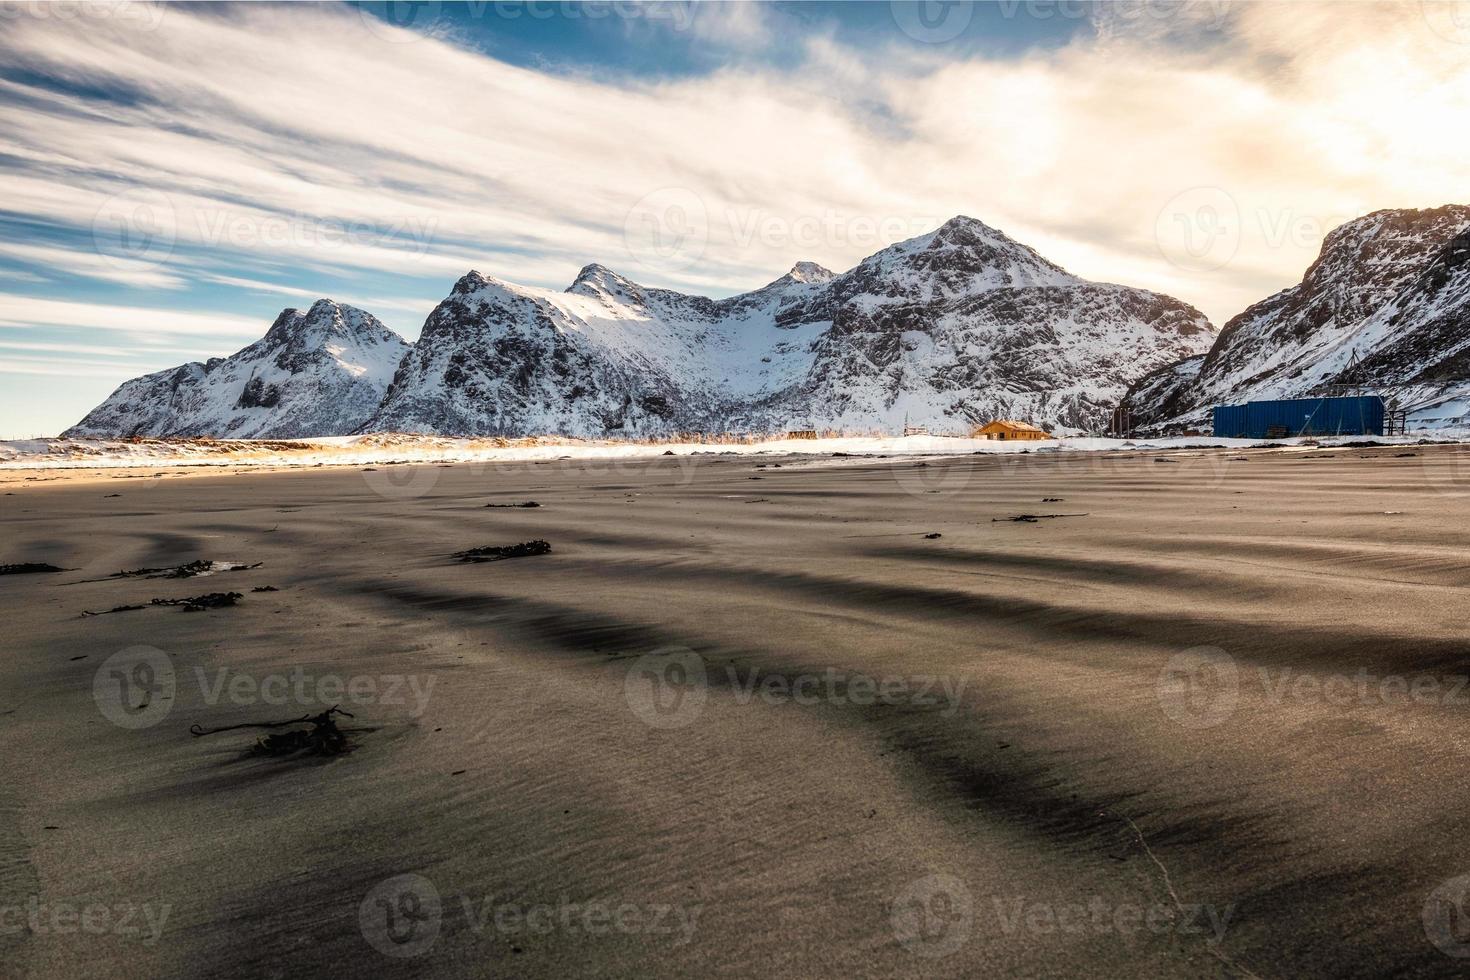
<point>1301,417</point>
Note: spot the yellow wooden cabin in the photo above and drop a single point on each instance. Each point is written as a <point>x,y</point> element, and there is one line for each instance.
<point>1009,429</point>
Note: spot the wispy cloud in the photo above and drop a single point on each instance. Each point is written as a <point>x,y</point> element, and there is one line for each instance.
<point>30,311</point>
<point>59,369</point>
<point>414,304</point>
<point>14,345</point>
<point>91,264</point>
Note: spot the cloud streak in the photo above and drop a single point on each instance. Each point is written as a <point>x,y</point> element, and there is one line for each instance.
<point>29,311</point>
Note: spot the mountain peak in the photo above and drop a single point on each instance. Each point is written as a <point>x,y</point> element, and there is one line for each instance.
<point>596,279</point>
<point>965,230</point>
<point>810,272</point>
<point>965,255</point>
<point>964,221</point>
<point>469,282</point>
<point>325,324</point>
<point>595,270</point>
<point>801,274</point>
<point>291,323</point>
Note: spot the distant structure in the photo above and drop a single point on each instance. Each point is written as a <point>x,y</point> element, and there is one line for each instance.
<point>1121,423</point>
<point>802,434</point>
<point>1359,416</point>
<point>1009,429</point>
<point>913,430</point>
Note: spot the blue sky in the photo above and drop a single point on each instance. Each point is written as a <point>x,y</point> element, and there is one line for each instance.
<point>172,177</point>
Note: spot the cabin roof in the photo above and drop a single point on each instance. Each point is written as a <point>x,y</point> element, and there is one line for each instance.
<point>1013,424</point>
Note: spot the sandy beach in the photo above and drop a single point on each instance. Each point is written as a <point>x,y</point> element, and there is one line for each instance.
<point>786,716</point>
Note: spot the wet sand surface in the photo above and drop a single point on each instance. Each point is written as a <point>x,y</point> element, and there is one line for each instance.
<point>1211,726</point>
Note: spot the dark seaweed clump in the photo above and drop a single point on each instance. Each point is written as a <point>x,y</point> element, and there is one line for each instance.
<point>29,568</point>
<point>526,549</point>
<point>199,603</point>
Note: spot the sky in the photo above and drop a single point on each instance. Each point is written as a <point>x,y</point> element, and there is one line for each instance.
<point>171,177</point>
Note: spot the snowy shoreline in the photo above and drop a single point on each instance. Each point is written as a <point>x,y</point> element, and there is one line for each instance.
<point>35,454</point>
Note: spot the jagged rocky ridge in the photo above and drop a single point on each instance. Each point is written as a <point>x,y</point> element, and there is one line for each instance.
<point>319,372</point>
<point>956,326</point>
<point>953,327</point>
<point>1386,306</point>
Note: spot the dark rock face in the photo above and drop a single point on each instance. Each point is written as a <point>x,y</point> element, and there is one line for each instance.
<point>1163,394</point>
<point>1385,304</point>
<point>257,394</point>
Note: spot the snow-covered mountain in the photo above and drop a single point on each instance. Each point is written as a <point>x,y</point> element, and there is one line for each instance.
<point>1385,306</point>
<point>960,325</point>
<point>321,372</point>
<point>954,327</point>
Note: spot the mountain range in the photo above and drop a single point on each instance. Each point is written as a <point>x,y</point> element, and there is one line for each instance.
<point>951,328</point>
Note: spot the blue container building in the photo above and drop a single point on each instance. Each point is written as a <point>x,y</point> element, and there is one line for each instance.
<point>1362,416</point>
